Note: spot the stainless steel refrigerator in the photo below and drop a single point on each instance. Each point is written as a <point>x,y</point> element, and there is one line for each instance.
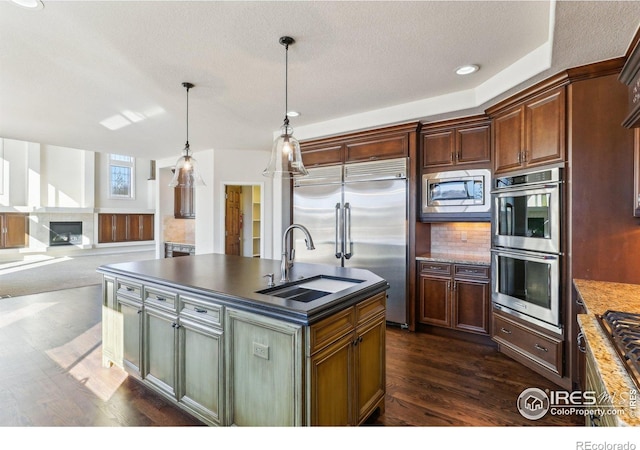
<point>357,216</point>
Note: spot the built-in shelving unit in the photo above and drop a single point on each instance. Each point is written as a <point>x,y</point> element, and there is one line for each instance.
<point>256,218</point>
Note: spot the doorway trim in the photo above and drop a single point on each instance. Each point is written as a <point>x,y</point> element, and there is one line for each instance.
<point>223,212</point>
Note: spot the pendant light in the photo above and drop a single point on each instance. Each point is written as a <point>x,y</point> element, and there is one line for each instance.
<point>285,161</point>
<point>186,173</point>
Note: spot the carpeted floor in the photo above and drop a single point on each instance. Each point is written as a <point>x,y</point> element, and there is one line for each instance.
<point>45,273</point>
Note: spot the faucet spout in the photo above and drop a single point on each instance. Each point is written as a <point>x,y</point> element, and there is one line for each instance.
<point>288,254</point>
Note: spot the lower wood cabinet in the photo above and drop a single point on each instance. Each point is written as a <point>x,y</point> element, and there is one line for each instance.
<point>454,296</point>
<point>14,230</point>
<point>531,345</point>
<point>233,367</point>
<point>125,227</point>
<point>347,364</point>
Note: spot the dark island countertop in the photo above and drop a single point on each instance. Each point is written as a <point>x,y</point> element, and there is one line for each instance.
<point>234,280</point>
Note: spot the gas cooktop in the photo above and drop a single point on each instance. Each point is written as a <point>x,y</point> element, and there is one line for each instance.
<point>623,329</point>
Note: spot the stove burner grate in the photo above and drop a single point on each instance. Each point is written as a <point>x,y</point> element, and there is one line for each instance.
<point>623,330</point>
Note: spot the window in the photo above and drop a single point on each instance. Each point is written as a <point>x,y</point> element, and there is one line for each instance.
<point>121,176</point>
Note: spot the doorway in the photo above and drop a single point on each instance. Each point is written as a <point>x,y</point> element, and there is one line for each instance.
<point>243,220</point>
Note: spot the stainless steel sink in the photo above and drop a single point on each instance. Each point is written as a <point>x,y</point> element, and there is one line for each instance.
<point>310,289</point>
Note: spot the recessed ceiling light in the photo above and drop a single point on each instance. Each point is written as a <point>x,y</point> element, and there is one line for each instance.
<point>29,4</point>
<point>467,69</point>
<point>293,113</point>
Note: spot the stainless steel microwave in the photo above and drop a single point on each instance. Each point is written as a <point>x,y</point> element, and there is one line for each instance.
<point>456,191</point>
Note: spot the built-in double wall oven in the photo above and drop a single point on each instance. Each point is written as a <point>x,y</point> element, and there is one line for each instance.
<point>525,248</point>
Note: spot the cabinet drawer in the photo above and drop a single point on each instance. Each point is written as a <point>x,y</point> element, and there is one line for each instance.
<point>331,328</point>
<point>129,289</point>
<point>545,350</point>
<point>160,298</point>
<point>461,271</point>
<point>367,309</point>
<point>201,310</point>
<point>435,267</point>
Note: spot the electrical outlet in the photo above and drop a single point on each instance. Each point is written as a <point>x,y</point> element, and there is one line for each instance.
<point>463,236</point>
<point>261,350</point>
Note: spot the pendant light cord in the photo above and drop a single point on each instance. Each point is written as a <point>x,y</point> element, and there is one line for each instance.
<point>286,84</point>
<point>187,145</point>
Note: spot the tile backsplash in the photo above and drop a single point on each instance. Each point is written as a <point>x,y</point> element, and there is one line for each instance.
<point>461,237</point>
<point>182,231</point>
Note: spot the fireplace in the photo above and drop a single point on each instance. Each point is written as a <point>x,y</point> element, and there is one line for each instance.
<point>65,233</point>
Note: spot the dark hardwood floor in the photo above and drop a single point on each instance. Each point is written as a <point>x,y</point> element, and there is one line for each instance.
<point>51,375</point>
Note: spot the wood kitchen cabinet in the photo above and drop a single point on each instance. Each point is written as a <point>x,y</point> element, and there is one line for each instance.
<point>385,143</point>
<point>459,142</point>
<point>347,364</point>
<point>530,133</point>
<point>531,345</point>
<point>14,230</point>
<point>125,227</point>
<point>455,296</point>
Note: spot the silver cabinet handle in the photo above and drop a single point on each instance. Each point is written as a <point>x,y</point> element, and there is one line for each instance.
<point>581,345</point>
<point>505,331</point>
<point>541,348</point>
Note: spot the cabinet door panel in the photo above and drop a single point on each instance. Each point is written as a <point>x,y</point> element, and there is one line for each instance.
<point>331,384</point>
<point>545,123</point>
<point>131,333</point>
<point>438,149</point>
<point>471,306</point>
<point>321,155</point>
<point>508,139</point>
<point>370,367</point>
<point>473,145</point>
<point>382,147</point>
<point>16,226</point>
<point>264,364</point>
<point>160,350</point>
<point>201,376</point>
<point>434,301</point>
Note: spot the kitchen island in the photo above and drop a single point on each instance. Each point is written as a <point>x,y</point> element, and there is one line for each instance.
<point>208,333</point>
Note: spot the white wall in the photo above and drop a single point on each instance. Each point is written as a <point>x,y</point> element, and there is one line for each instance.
<point>144,195</point>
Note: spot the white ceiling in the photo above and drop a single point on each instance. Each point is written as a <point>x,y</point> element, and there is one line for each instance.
<point>71,65</point>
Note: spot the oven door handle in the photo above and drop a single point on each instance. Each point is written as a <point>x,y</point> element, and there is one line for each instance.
<point>525,254</point>
<point>531,187</point>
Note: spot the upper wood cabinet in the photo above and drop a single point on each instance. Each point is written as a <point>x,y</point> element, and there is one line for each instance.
<point>456,142</point>
<point>384,143</point>
<point>14,230</point>
<point>531,133</point>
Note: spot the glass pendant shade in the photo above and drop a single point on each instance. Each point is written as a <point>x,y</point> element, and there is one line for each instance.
<point>286,160</point>
<point>186,174</point>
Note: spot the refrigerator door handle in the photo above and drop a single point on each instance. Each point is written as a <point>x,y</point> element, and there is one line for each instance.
<point>338,243</point>
<point>347,231</point>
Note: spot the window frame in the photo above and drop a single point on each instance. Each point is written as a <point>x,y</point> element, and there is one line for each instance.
<point>125,161</point>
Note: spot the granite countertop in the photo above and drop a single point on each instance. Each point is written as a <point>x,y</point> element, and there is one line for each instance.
<point>598,297</point>
<point>234,280</point>
<point>459,258</point>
